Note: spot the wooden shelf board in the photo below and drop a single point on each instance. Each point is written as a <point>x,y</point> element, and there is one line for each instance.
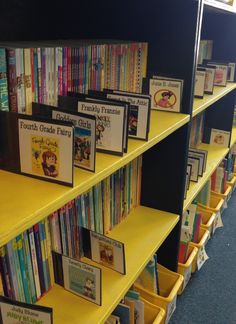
<point>233,136</point>
<point>25,201</point>
<point>142,232</point>
<point>215,156</point>
<point>220,6</point>
<point>201,104</point>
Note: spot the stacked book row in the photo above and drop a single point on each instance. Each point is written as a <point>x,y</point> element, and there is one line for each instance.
<point>40,72</point>
<point>27,266</point>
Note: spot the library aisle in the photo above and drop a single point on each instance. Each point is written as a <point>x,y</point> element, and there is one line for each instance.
<point>210,296</point>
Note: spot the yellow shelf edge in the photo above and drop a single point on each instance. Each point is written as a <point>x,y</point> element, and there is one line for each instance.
<point>215,156</point>
<point>144,230</point>
<point>233,137</point>
<point>36,199</point>
<point>201,104</point>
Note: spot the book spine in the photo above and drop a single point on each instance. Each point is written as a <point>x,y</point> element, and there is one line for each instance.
<point>4,100</point>
<point>43,76</point>
<point>20,76</point>
<point>59,54</point>
<point>39,258</point>
<point>35,68</point>
<point>18,270</point>
<point>49,251</point>
<point>63,232</point>
<point>12,270</point>
<point>39,55</point>
<point>11,59</point>
<point>65,71</point>
<point>68,229</point>
<point>28,80</point>
<point>25,281</point>
<point>34,262</point>
<point>7,286</point>
<point>28,266</point>
<point>32,73</point>
<point>42,238</point>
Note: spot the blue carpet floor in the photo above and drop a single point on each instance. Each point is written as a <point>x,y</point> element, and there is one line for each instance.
<point>210,296</point>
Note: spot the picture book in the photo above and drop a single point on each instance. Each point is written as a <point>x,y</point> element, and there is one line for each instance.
<point>14,312</point>
<point>139,114</point>
<point>148,277</point>
<point>37,147</point>
<point>84,133</point>
<point>166,94</point>
<point>199,87</point>
<point>104,250</point>
<point>219,137</point>
<point>82,279</point>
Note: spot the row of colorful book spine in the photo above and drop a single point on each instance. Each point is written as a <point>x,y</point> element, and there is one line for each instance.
<point>26,264</point>
<point>42,73</point>
<point>101,208</point>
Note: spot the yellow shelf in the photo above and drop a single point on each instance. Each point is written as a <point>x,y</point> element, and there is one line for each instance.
<point>233,136</point>
<point>142,232</point>
<point>25,201</point>
<point>201,104</point>
<point>215,156</point>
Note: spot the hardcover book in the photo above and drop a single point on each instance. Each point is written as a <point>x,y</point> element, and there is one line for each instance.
<point>85,128</point>
<point>219,137</point>
<point>37,147</point>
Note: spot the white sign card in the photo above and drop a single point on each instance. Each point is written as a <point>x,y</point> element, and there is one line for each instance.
<point>219,137</point>
<point>82,279</point>
<point>138,115</point>
<point>166,94</point>
<point>194,162</point>
<point>202,257</point>
<point>46,150</point>
<point>199,84</point>
<point>85,138</point>
<point>107,252</point>
<point>209,79</point>
<point>13,312</point>
<point>221,74</point>
<point>110,122</point>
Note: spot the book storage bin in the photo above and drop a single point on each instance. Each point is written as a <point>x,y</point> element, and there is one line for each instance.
<point>153,314</point>
<point>169,284</point>
<point>202,241</point>
<point>232,182</point>
<point>185,269</point>
<point>225,194</point>
<point>208,218</point>
<point>216,203</point>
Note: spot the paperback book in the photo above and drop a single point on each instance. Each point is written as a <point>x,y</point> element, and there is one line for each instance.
<point>37,147</point>
<point>199,88</point>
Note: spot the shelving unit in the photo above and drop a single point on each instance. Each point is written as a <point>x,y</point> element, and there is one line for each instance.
<point>215,156</point>
<point>199,105</point>
<point>155,225</point>
<point>139,249</point>
<point>19,214</point>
